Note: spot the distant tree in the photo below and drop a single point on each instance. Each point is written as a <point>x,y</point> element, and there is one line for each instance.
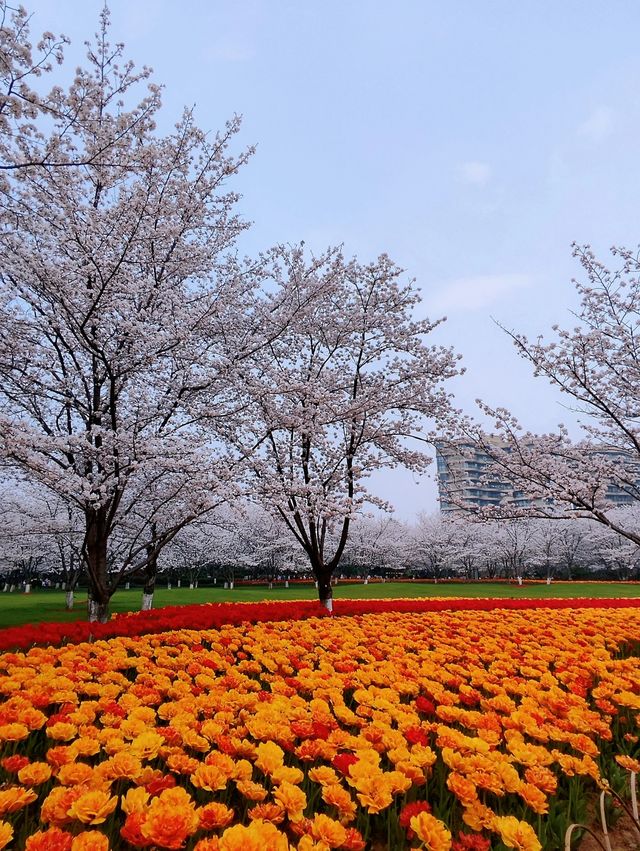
<point>515,544</point>
<point>187,554</point>
<point>466,546</point>
<point>545,548</point>
<point>572,545</point>
<point>166,500</point>
<point>376,545</point>
<point>26,543</point>
<point>267,546</point>
<point>229,546</point>
<point>117,307</point>
<point>486,542</point>
<point>60,523</point>
<point>596,364</point>
<point>434,544</point>
<point>616,553</point>
<point>339,394</point>
<point>47,532</point>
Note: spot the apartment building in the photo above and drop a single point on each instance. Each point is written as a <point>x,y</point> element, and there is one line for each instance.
<point>463,476</point>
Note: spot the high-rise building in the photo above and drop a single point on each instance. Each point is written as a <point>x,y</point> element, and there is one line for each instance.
<point>462,477</point>
<point>617,492</point>
<point>465,475</point>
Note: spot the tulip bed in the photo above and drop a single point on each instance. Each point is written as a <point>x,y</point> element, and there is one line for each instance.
<point>208,615</point>
<point>441,730</point>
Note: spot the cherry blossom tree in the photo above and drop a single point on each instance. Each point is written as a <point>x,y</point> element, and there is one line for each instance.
<point>616,553</point>
<point>342,392</point>
<point>515,543</point>
<point>545,554</point>
<point>41,534</point>
<point>265,541</point>
<point>188,553</point>
<point>58,525</point>
<point>118,306</point>
<point>571,542</point>
<point>466,546</point>
<point>376,544</point>
<point>596,365</point>
<point>434,544</point>
<point>228,542</point>
<point>488,551</point>
<point>24,547</point>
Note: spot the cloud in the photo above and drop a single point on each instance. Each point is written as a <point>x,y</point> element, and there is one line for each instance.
<point>477,291</point>
<point>474,173</point>
<point>598,125</point>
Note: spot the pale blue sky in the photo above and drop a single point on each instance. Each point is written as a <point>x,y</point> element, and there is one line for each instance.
<point>471,140</point>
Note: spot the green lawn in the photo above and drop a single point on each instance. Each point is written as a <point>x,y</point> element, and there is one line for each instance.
<point>17,608</point>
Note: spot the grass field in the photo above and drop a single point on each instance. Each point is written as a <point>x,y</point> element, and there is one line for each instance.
<point>40,606</point>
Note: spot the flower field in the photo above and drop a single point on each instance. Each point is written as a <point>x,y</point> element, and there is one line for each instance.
<point>440,730</point>
<point>209,615</point>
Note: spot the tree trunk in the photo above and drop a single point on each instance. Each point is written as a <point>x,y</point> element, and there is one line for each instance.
<point>325,594</point>
<point>95,557</point>
<point>148,592</point>
<point>68,602</point>
<point>151,572</point>
<point>97,610</point>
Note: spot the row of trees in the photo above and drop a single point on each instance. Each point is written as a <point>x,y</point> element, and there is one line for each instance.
<point>232,544</point>
<point>256,544</point>
<point>521,548</point>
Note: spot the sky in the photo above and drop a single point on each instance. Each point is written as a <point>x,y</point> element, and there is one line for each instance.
<point>471,141</point>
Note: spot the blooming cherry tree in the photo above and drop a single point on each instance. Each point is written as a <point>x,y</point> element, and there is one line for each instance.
<point>596,365</point>
<point>376,543</point>
<point>267,546</point>
<point>615,552</point>
<point>117,308</point>
<point>346,389</point>
<point>26,539</point>
<point>434,544</point>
